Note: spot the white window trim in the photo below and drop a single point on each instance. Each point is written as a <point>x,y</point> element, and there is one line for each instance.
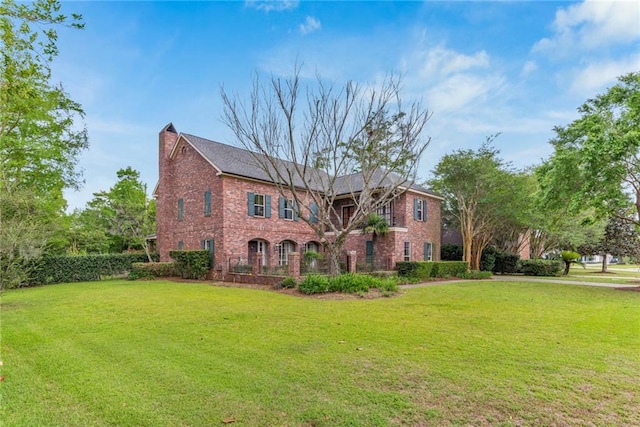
<point>407,251</point>
<point>257,205</point>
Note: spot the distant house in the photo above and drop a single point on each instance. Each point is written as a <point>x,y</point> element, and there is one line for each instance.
<point>213,196</point>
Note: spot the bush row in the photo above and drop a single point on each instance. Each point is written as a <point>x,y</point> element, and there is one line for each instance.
<point>427,269</point>
<point>346,283</point>
<point>80,268</point>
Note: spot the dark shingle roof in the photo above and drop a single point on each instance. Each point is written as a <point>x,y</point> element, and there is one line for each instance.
<point>241,162</point>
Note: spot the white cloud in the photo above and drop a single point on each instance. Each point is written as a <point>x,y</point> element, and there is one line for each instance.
<point>528,68</point>
<point>310,25</point>
<point>272,5</point>
<point>599,75</point>
<point>593,24</point>
<point>441,61</point>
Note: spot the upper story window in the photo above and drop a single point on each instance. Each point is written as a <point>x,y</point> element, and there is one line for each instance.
<point>347,213</point>
<point>259,205</point>
<point>180,209</point>
<point>207,203</point>
<point>419,209</point>
<point>385,212</point>
<point>287,209</point>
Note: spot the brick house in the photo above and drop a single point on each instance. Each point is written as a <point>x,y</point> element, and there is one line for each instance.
<point>212,196</point>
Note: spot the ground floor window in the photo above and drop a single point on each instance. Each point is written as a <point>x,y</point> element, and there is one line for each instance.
<point>407,251</point>
<point>428,250</point>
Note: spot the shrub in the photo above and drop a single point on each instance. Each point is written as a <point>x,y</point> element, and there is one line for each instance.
<point>351,283</point>
<point>488,258</point>
<point>151,270</point>
<point>449,268</point>
<point>475,275</point>
<point>540,267</point>
<point>425,269</point>
<point>289,282</point>
<point>506,263</point>
<point>80,268</point>
<point>347,283</point>
<point>451,252</point>
<point>415,269</point>
<point>387,285</point>
<point>192,264</point>
<point>314,284</point>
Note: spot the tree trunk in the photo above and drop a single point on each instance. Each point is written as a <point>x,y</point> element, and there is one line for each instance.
<point>604,263</point>
<point>333,260</point>
<point>567,266</point>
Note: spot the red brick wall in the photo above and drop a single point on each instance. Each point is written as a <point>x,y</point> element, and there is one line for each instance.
<point>239,228</point>
<point>189,177</point>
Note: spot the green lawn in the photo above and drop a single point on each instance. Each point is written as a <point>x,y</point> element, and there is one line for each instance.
<point>616,273</point>
<point>159,353</point>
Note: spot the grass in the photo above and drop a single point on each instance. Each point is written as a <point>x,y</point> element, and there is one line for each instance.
<point>473,353</point>
<point>623,274</point>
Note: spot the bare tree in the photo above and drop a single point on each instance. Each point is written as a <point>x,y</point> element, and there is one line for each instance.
<point>320,142</point>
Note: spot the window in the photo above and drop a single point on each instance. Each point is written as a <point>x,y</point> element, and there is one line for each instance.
<point>347,213</point>
<point>285,248</point>
<point>180,209</point>
<point>208,245</point>
<point>313,214</point>
<point>428,250</point>
<point>259,205</point>
<point>180,245</point>
<point>285,208</point>
<point>407,251</point>
<point>385,212</point>
<point>207,203</point>
<point>419,209</point>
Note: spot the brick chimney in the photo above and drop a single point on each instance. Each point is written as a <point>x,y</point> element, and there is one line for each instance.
<point>164,192</point>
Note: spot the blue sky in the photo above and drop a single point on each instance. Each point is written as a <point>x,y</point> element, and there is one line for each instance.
<point>519,68</point>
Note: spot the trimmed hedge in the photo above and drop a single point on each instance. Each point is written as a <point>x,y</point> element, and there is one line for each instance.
<point>81,268</point>
<point>540,267</point>
<point>425,269</point>
<point>151,270</point>
<point>192,264</point>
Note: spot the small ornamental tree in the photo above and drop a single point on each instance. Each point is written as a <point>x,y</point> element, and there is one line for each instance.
<point>308,138</point>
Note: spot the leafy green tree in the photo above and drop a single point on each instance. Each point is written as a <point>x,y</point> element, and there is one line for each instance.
<point>40,134</point>
<point>595,163</point>
<point>477,187</point>
<point>620,238</point>
<point>124,213</point>
<point>23,233</point>
<point>327,133</point>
